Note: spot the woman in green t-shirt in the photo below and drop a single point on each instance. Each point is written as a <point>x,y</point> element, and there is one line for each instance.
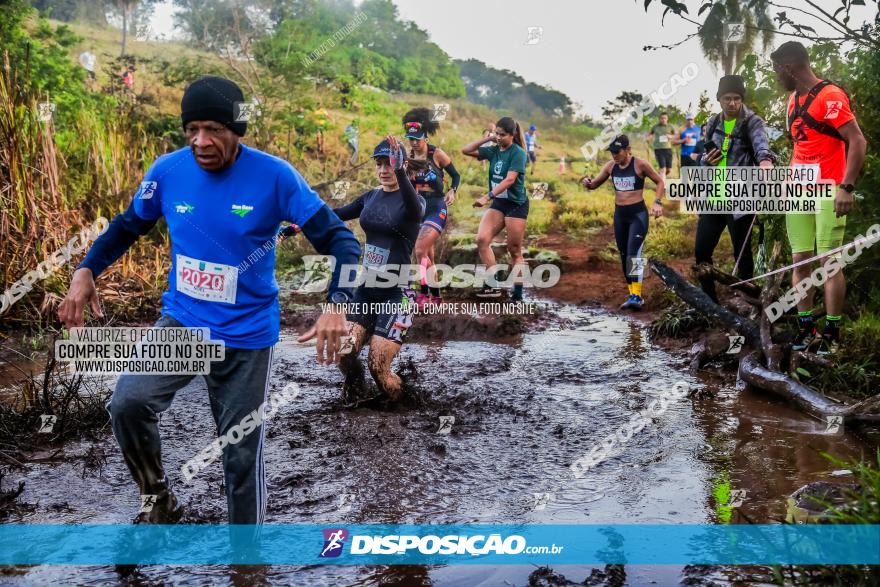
<point>507,193</point>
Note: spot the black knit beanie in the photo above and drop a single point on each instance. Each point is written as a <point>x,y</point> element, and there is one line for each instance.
<point>731,83</point>
<point>213,98</point>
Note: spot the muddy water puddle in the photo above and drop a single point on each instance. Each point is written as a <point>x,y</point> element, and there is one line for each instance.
<point>522,414</point>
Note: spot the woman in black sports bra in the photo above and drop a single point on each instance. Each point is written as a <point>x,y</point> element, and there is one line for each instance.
<point>628,174</point>
<point>418,125</point>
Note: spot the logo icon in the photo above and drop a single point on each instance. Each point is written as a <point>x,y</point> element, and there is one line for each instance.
<point>637,266</point>
<point>446,423</point>
<point>832,109</point>
<point>241,209</point>
<point>541,500</point>
<point>534,34</point>
<point>340,189</point>
<point>334,540</point>
<point>318,270</point>
<point>833,424</point>
<point>734,32</point>
<point>345,502</point>
<point>498,166</point>
<point>147,503</point>
<point>146,191</point>
<point>735,343</point>
<point>245,111</point>
<point>46,110</point>
<point>183,208</point>
<point>440,112</point>
<point>539,190</point>
<point>736,497</point>
<point>47,423</point>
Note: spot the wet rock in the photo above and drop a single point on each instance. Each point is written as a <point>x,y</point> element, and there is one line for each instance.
<point>810,503</point>
<point>545,577</point>
<point>547,257</point>
<point>710,346</point>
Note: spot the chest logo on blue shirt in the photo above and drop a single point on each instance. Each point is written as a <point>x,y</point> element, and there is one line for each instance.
<point>241,209</point>
<point>498,166</point>
<point>183,208</point>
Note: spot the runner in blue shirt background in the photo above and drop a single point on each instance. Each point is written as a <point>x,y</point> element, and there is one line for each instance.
<point>688,138</point>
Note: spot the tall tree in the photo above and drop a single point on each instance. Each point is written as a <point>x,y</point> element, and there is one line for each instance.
<point>731,30</point>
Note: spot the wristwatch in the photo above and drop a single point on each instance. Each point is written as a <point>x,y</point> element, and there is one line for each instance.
<point>491,195</point>
<point>847,187</point>
<point>340,297</point>
<point>658,202</point>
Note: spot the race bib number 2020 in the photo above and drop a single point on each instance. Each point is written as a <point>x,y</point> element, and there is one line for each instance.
<point>203,280</point>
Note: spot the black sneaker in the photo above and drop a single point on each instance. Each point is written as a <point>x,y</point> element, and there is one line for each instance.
<point>805,337</point>
<point>489,292</point>
<point>827,345</point>
<point>161,509</point>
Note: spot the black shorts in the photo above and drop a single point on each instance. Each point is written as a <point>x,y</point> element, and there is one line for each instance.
<point>532,156</point>
<point>664,158</point>
<point>435,213</point>
<point>390,322</point>
<point>511,209</point>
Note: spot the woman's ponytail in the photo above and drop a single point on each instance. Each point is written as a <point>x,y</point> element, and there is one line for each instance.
<point>518,137</point>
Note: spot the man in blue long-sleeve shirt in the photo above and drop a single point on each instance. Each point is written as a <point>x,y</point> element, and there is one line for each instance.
<point>223,201</point>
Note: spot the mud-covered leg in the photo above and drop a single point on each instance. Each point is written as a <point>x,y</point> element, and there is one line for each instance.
<point>382,353</point>
<point>350,364</point>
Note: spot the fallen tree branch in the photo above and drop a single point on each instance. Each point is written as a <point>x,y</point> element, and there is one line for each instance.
<point>753,372</point>
<point>707,269</point>
<point>697,298</point>
<point>751,367</point>
<point>807,399</point>
<point>773,352</point>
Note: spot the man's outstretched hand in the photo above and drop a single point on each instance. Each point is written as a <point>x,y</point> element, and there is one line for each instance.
<point>82,292</point>
<point>331,329</point>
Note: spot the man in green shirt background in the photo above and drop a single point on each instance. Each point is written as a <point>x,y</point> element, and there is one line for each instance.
<point>660,136</point>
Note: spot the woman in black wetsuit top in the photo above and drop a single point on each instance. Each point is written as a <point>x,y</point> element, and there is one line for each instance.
<point>390,216</point>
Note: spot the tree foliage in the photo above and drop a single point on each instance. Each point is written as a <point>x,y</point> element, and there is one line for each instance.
<point>505,90</point>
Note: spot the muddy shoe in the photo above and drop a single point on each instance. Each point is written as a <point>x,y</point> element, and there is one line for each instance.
<point>804,339</point>
<point>825,345</point>
<point>159,509</point>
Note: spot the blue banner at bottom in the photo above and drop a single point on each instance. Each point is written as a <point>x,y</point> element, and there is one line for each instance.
<point>370,544</point>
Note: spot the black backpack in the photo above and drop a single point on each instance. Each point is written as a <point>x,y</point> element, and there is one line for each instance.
<point>807,119</point>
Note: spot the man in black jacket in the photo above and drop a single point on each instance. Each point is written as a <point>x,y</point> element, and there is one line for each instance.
<point>739,138</point>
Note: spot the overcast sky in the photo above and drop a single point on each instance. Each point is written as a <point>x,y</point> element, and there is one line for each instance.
<point>589,49</point>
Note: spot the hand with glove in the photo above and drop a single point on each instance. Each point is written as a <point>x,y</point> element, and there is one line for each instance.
<point>397,158</point>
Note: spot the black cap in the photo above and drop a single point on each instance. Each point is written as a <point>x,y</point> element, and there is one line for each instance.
<point>731,84</point>
<point>383,149</point>
<point>213,98</point>
<point>619,143</point>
